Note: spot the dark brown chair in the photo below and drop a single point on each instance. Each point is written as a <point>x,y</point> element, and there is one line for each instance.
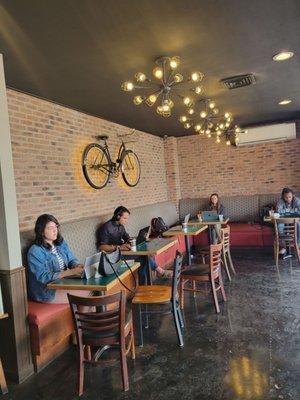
<point>285,236</point>
<point>226,254</point>
<point>159,294</point>
<point>203,273</point>
<point>95,328</point>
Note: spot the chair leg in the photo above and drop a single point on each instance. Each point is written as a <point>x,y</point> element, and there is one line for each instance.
<point>124,368</point>
<point>194,288</point>
<point>230,262</point>
<point>87,352</point>
<point>297,250</point>
<point>180,315</point>
<point>138,324</point>
<point>222,286</point>
<point>132,342</point>
<point>80,370</point>
<point>177,326</point>
<point>276,253</point>
<point>3,384</point>
<point>215,296</point>
<point>181,293</point>
<point>226,265</point>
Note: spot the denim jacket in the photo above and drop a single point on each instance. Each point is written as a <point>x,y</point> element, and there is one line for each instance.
<point>282,205</point>
<point>43,268</point>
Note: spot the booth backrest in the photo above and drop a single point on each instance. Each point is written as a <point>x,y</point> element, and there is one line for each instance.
<point>81,234</point>
<point>237,208</point>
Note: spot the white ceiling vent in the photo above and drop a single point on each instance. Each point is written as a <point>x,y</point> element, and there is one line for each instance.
<point>267,133</point>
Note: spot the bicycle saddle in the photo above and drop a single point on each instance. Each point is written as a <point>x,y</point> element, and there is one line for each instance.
<point>102,137</point>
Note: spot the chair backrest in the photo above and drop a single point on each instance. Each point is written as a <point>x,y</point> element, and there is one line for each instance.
<point>215,254</point>
<point>289,230</point>
<point>225,236</point>
<point>176,274</point>
<point>94,321</point>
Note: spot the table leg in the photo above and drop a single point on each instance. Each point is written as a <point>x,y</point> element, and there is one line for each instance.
<point>148,272</point>
<point>188,249</point>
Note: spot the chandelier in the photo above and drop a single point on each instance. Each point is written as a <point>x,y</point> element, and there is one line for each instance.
<point>206,120</point>
<point>166,86</point>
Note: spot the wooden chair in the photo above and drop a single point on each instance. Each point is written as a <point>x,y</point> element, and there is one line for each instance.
<point>95,328</point>
<point>159,294</point>
<point>287,236</point>
<point>226,254</point>
<point>3,384</point>
<point>204,273</point>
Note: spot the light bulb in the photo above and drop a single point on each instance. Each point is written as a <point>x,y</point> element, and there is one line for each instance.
<point>212,104</point>
<point>159,110</point>
<point>187,101</point>
<point>203,114</point>
<point>207,131</point>
<point>196,76</point>
<point>151,100</point>
<point>221,126</point>
<point>166,108</point>
<point>174,62</point>
<point>166,113</point>
<point>218,140</point>
<point>237,138</point>
<point>219,133</point>
<point>127,86</point>
<point>227,125</point>
<point>228,142</point>
<point>140,77</point>
<point>209,135</point>
<point>158,72</point>
<point>198,89</point>
<point>215,111</point>
<point>237,129</point>
<point>197,127</point>
<point>210,125</point>
<point>170,103</point>
<point>138,100</point>
<point>227,115</point>
<point>191,111</point>
<point>187,125</point>
<point>178,78</point>
<point>202,131</point>
<point>183,118</point>
<point>228,119</point>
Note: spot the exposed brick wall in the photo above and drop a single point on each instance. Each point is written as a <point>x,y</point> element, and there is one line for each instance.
<point>172,170</point>
<point>206,167</point>
<point>48,141</point>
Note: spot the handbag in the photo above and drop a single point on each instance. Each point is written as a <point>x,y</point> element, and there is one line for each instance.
<point>110,263</point>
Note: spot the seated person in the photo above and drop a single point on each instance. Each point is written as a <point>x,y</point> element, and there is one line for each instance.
<point>50,258</point>
<point>215,230</point>
<point>113,234</point>
<point>288,203</point>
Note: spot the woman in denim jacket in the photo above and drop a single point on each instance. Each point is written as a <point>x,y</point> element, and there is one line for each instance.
<point>49,258</point>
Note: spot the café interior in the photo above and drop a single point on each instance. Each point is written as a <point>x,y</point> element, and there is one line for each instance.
<point>149,199</point>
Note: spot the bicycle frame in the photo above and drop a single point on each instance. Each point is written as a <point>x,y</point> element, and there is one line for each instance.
<point>113,167</point>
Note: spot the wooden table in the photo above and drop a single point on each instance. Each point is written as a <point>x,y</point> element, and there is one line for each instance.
<point>196,222</point>
<point>3,384</point>
<point>191,230</point>
<point>150,248</point>
<point>271,219</point>
<point>102,284</point>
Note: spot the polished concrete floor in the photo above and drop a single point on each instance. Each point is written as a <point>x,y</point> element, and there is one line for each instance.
<point>250,351</point>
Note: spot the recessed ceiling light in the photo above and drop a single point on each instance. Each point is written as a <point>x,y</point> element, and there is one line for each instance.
<point>285,102</point>
<point>283,55</point>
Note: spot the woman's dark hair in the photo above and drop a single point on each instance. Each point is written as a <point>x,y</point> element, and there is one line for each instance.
<point>211,205</point>
<point>39,229</point>
<point>119,211</point>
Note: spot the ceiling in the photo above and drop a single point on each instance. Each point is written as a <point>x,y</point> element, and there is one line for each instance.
<point>77,53</point>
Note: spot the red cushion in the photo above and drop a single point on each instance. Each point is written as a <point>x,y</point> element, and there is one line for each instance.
<point>248,235</point>
<point>40,313</point>
<point>268,235</point>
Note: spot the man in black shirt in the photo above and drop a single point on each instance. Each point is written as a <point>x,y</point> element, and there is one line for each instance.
<point>113,234</point>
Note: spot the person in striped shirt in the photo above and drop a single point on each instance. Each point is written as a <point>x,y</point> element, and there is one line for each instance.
<point>49,258</point>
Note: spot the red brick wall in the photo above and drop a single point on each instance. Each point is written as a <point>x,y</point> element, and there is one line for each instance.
<point>172,170</point>
<point>206,167</point>
<point>48,141</point>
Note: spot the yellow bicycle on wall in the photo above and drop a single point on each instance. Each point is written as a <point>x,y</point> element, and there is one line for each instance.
<point>98,167</point>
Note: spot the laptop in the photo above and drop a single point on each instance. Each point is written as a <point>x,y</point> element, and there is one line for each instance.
<point>186,218</point>
<point>90,267</point>
<point>209,216</point>
<point>144,235</point>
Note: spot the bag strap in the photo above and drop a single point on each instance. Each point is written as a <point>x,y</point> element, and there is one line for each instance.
<point>117,275</point>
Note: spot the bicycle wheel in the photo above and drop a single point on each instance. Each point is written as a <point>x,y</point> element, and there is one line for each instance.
<point>130,168</point>
<point>96,165</point>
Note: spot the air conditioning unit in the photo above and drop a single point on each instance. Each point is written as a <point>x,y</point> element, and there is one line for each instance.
<point>267,133</point>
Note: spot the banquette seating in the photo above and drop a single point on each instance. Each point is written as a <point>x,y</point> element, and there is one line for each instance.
<point>244,213</point>
<point>50,324</point>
